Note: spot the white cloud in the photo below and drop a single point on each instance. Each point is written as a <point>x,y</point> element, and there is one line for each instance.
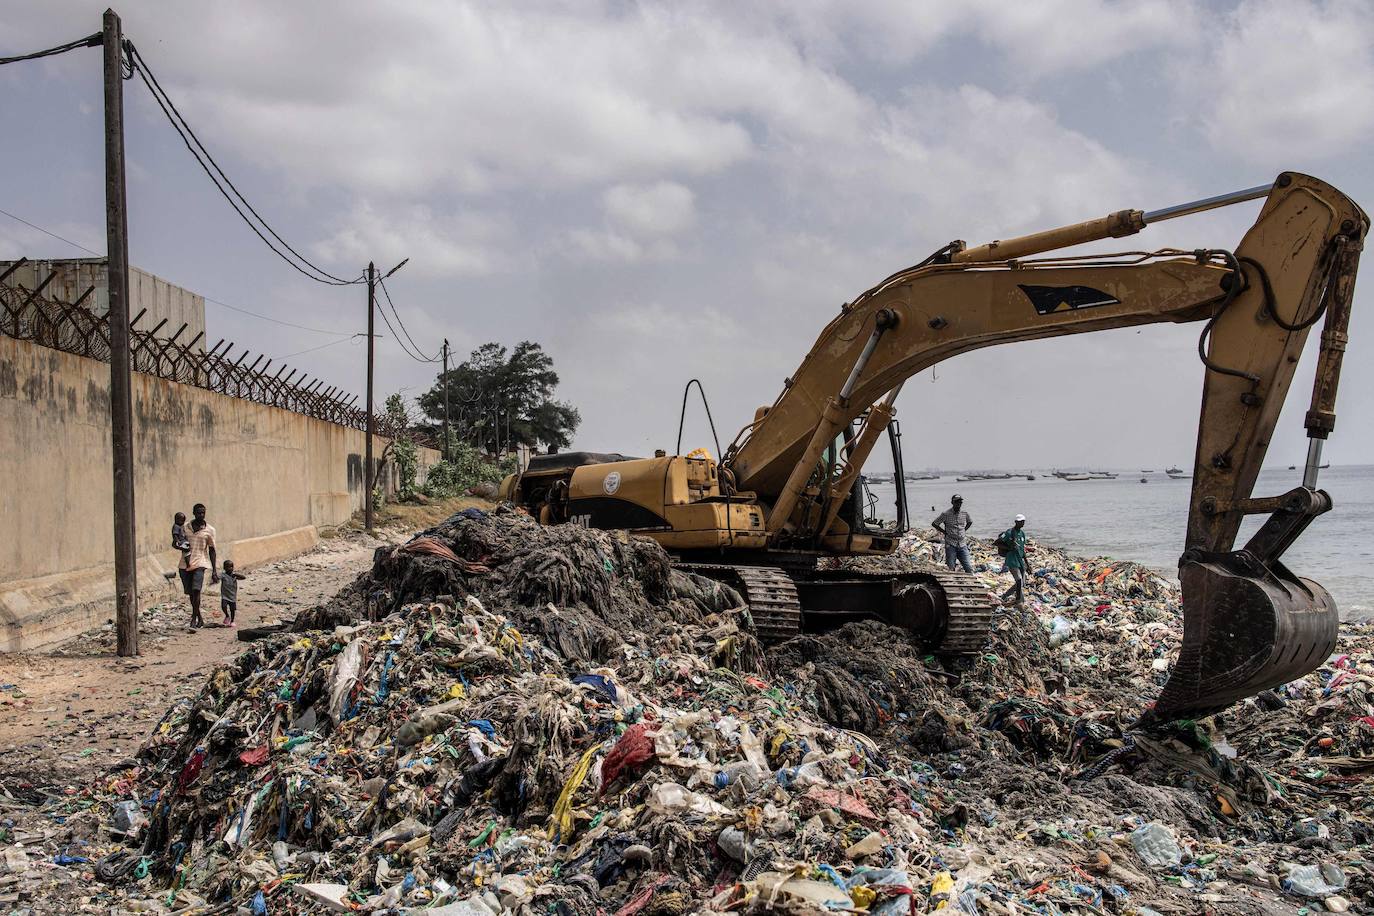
<point>661,208</point>
<point>465,244</point>
<point>1289,80</point>
<point>1033,39</point>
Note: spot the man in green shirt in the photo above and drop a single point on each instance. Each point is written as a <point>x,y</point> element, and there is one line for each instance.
<point>1014,542</point>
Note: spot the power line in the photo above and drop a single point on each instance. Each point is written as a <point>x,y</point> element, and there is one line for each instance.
<point>419,354</point>
<point>299,327</point>
<point>53,234</point>
<point>418,357</point>
<point>332,343</point>
<point>90,41</point>
<point>212,169</point>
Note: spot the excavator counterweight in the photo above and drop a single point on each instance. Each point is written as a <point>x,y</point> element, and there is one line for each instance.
<point>783,502</point>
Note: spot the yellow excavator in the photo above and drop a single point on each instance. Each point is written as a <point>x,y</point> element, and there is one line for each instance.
<point>787,493</point>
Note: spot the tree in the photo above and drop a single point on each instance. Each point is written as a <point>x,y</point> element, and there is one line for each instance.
<point>404,450</point>
<point>498,399</point>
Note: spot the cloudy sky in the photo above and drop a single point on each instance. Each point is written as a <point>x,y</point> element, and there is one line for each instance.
<point>658,192</point>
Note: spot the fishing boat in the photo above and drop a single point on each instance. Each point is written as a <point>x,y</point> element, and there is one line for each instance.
<point>1172,471</point>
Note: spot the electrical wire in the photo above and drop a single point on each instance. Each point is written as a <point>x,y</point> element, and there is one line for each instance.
<point>419,354</point>
<point>418,357</point>
<point>21,219</point>
<point>213,169</point>
<point>332,343</point>
<point>289,324</point>
<point>90,41</point>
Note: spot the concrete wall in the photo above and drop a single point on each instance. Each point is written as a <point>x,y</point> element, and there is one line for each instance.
<point>269,477</point>
<point>146,291</point>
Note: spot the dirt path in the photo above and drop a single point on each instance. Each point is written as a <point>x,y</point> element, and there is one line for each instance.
<point>69,712</point>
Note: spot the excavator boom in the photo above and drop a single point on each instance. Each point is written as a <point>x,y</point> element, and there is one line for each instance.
<point>1249,622</point>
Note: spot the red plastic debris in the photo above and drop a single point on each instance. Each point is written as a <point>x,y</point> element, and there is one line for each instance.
<point>635,748</point>
<point>255,757</point>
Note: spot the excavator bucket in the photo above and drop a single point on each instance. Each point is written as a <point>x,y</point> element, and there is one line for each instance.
<point>1247,626</point>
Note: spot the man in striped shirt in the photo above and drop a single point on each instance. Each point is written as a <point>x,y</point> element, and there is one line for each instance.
<point>953,523</point>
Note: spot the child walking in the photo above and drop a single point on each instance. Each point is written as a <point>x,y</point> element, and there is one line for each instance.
<point>229,592</point>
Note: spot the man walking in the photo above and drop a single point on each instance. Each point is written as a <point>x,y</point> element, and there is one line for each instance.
<point>199,562</point>
<point>1012,545</point>
<point>198,512</point>
<point>953,523</point>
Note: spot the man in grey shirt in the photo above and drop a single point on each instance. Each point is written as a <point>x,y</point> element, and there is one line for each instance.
<point>953,523</point>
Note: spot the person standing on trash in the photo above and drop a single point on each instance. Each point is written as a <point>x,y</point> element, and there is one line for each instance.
<point>1011,544</point>
<point>953,523</point>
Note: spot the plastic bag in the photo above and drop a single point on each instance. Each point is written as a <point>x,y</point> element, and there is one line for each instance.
<point>1156,846</point>
<point>671,798</point>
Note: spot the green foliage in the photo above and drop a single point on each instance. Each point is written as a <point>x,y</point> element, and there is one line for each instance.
<point>465,468</point>
<point>404,450</point>
<point>498,399</point>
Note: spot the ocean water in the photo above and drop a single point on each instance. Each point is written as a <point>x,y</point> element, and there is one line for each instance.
<point>1146,522</point>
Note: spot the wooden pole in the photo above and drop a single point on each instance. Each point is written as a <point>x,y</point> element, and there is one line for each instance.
<point>121,387</point>
<point>443,383</point>
<point>371,420</point>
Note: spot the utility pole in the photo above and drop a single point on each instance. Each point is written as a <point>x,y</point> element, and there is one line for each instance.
<point>371,421</point>
<point>121,387</point>
<point>368,482</point>
<point>443,383</point>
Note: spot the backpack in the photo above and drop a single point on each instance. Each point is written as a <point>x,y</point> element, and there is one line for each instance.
<point>1003,544</point>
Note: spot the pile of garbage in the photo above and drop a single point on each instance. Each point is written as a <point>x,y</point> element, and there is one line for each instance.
<point>501,717</point>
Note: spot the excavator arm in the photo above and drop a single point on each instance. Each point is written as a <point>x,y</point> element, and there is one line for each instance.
<point>1249,622</point>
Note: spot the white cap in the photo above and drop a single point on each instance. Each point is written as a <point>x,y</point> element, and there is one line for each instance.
<point>1020,518</point>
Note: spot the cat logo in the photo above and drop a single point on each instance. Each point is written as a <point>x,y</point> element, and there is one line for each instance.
<point>1050,299</point>
<point>612,483</point>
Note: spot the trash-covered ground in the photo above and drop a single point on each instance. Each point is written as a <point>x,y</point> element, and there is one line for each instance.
<point>506,717</point>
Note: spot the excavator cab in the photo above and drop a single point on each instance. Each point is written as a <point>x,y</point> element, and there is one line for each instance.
<point>862,510</point>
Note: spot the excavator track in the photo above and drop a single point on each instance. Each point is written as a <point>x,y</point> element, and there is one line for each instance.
<point>770,593</point>
<point>962,600</point>
<point>970,611</point>
<point>959,601</point>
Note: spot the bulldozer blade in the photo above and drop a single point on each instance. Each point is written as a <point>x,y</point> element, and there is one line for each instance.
<point>1247,627</point>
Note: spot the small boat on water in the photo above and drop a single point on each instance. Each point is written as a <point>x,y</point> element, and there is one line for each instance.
<point>1172,471</point>
<point>1146,471</point>
<point>1144,480</point>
